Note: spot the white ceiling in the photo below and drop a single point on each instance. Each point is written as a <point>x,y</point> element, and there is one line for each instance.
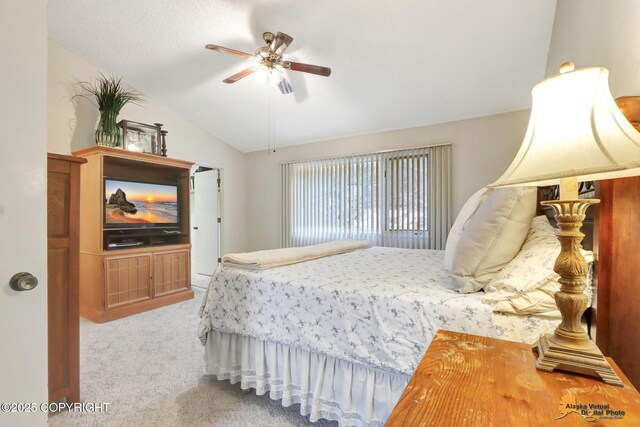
<point>395,64</point>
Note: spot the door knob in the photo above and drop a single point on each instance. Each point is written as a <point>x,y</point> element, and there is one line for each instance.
<point>23,282</point>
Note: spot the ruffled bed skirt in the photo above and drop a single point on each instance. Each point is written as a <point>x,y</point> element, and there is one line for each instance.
<point>325,387</point>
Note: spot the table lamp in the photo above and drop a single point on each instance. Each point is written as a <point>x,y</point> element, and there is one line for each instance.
<point>576,133</point>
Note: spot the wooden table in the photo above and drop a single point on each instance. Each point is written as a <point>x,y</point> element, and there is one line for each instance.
<point>467,380</point>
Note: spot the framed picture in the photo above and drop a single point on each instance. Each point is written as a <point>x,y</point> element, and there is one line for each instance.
<point>141,137</point>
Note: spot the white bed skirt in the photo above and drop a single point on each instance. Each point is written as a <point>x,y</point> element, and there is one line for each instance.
<point>325,387</point>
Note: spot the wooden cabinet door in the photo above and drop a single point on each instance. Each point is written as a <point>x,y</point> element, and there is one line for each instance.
<point>171,272</point>
<point>62,292</point>
<point>127,279</point>
<point>58,187</point>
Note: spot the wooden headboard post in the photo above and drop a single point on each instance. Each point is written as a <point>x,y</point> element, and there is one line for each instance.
<point>618,297</point>
<point>618,302</point>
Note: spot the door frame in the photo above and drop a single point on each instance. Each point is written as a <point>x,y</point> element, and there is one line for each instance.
<point>219,204</point>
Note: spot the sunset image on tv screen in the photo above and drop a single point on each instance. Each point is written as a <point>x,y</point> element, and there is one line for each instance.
<point>137,202</point>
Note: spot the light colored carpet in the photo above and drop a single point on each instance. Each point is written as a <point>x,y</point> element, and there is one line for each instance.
<point>200,280</point>
<point>150,369</point>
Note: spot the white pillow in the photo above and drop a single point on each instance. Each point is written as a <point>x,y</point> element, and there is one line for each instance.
<point>539,302</point>
<point>528,283</point>
<point>492,236</point>
<point>531,267</point>
<point>541,231</point>
<point>465,213</point>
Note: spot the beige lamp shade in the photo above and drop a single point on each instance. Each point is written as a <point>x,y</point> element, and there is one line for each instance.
<point>575,130</point>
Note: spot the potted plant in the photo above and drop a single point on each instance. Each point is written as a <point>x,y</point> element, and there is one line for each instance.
<point>109,96</point>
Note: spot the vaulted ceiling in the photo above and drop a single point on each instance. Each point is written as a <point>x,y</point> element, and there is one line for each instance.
<point>395,64</point>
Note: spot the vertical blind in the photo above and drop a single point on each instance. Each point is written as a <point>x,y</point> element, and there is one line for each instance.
<point>395,198</point>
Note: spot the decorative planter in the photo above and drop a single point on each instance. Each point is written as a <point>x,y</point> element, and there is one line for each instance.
<point>108,133</point>
<point>108,94</point>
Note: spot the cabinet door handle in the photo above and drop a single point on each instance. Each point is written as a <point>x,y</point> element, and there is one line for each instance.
<point>195,228</point>
<point>23,282</point>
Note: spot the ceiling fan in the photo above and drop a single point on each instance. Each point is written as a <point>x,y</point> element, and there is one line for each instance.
<point>269,60</point>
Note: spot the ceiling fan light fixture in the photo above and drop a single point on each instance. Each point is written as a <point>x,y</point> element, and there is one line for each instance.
<point>268,63</point>
<point>271,75</point>
<point>275,76</point>
<point>262,74</point>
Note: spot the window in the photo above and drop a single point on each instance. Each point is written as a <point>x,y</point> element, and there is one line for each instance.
<point>396,198</point>
<point>407,190</point>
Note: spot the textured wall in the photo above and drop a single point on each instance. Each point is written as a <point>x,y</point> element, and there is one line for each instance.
<point>599,33</point>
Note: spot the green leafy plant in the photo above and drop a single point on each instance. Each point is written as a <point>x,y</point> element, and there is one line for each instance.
<point>109,96</point>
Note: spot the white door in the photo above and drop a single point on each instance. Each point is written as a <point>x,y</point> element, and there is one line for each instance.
<point>23,210</point>
<point>205,221</point>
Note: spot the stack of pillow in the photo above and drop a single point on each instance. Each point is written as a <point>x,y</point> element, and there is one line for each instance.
<point>487,234</point>
<point>528,283</point>
<point>497,245</point>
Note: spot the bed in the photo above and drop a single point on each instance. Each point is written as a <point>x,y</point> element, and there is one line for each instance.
<point>306,334</point>
<point>341,335</point>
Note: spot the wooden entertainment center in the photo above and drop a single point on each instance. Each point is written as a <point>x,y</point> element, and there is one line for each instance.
<point>116,280</point>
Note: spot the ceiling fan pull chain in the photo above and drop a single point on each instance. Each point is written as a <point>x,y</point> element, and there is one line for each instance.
<point>268,120</point>
<point>274,127</point>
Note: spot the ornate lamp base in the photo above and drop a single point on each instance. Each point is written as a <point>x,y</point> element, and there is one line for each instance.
<point>590,362</point>
<point>569,347</point>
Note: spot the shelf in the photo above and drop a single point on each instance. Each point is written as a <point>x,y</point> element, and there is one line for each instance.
<point>132,158</point>
<point>140,238</point>
<point>120,281</point>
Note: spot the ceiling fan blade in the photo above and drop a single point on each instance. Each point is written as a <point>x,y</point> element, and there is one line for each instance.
<point>227,50</point>
<point>280,44</point>
<point>307,68</point>
<point>240,75</point>
<point>284,86</point>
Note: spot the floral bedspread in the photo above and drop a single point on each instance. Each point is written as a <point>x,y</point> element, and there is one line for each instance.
<point>379,306</point>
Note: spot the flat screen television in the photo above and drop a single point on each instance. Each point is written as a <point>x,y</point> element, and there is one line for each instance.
<point>137,204</point>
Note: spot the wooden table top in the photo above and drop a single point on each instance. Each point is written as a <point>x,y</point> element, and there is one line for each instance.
<point>467,380</point>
